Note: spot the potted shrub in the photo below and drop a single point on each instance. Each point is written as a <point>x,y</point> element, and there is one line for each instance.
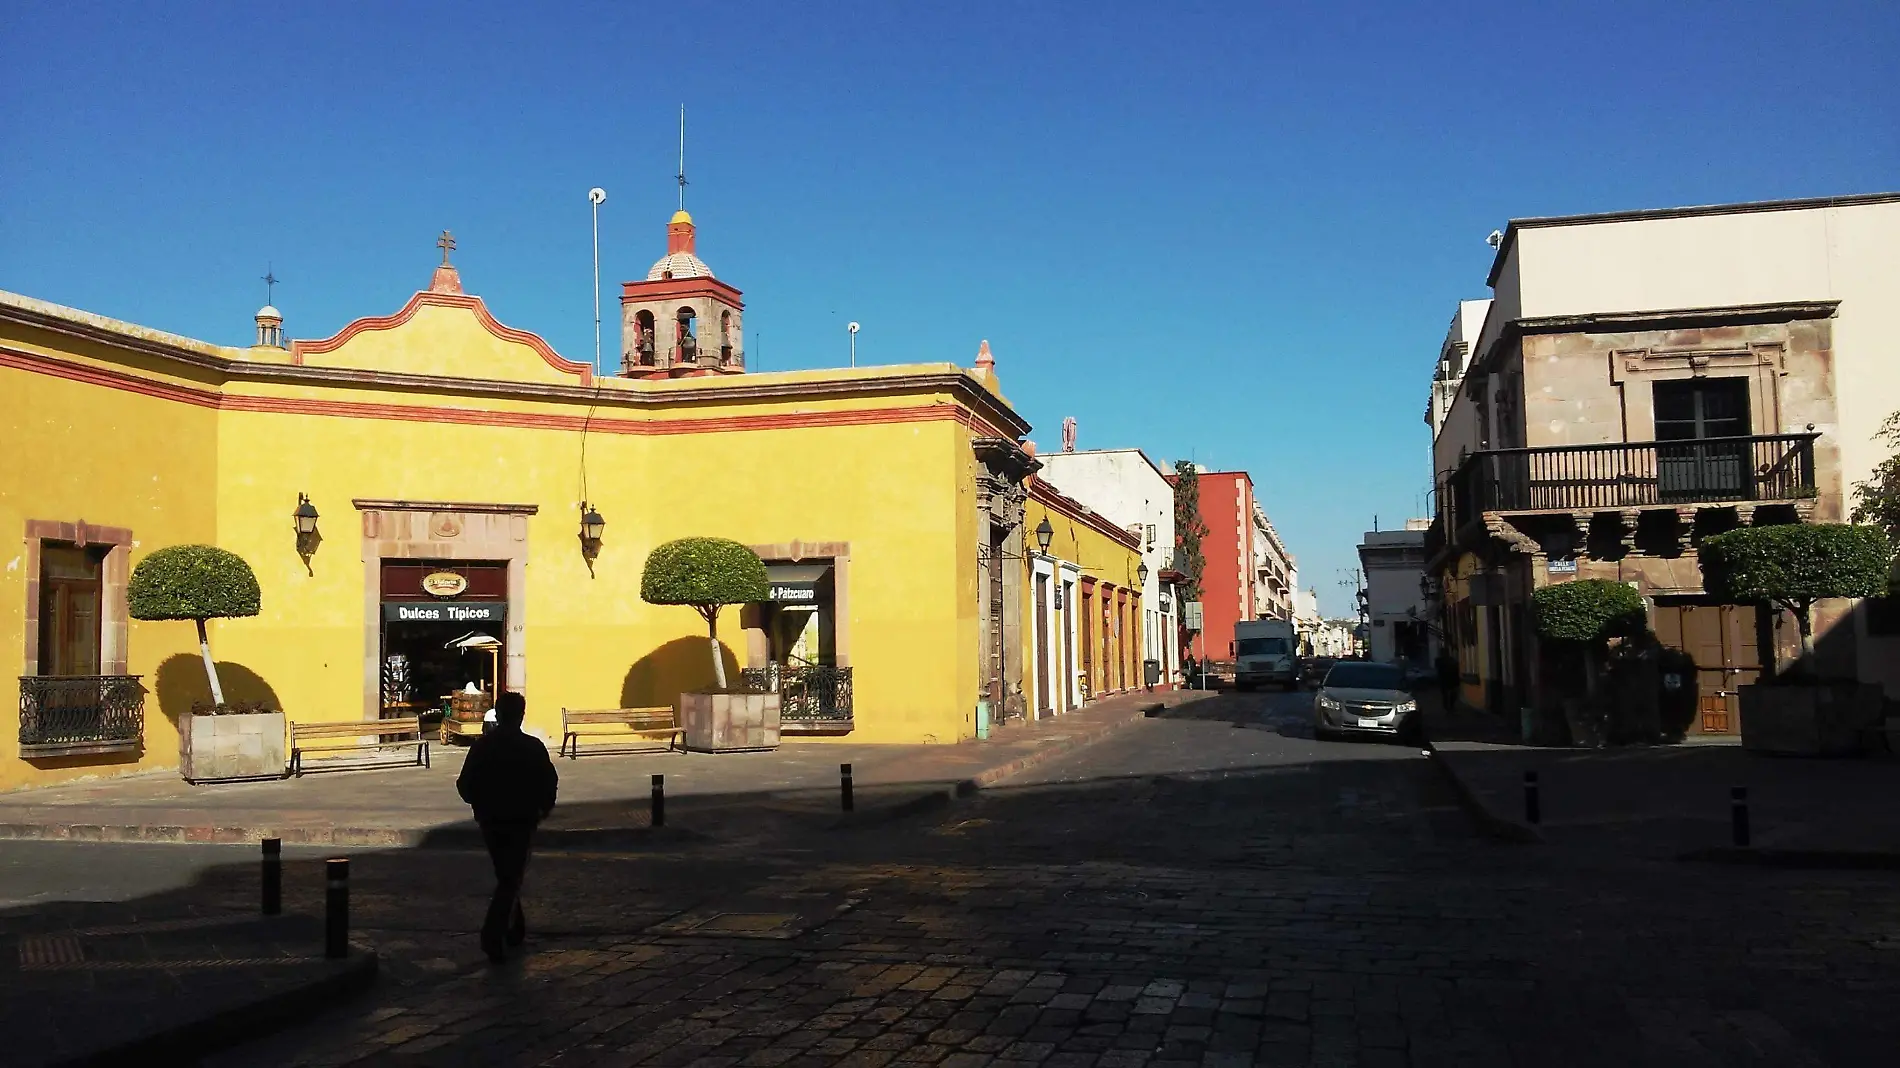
<point>1790,567</point>
<point>218,741</point>
<point>708,574</point>
<point>1576,620</point>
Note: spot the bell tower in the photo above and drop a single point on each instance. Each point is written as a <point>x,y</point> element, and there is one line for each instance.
<point>681,321</point>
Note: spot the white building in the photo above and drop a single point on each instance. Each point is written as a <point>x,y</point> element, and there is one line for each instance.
<point>1396,606</point>
<point>1276,575</point>
<point>1454,358</point>
<point>1130,490</point>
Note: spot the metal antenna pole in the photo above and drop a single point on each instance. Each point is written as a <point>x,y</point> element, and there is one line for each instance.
<point>596,207</point>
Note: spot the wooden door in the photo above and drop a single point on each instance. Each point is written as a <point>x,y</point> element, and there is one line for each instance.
<point>1042,645</point>
<point>1088,643</point>
<point>1721,641</point>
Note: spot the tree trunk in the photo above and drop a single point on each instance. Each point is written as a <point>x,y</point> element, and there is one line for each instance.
<point>211,673</point>
<point>712,633</point>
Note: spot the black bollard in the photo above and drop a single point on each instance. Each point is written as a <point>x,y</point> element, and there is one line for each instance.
<point>844,788</point>
<point>659,801</point>
<point>1533,806</point>
<point>1738,813</point>
<point>336,908</point>
<point>271,877</point>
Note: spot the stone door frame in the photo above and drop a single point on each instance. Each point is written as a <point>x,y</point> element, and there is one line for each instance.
<point>442,530</point>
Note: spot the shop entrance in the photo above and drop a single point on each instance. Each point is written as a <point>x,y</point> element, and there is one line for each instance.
<point>444,633</point>
<point>801,634</point>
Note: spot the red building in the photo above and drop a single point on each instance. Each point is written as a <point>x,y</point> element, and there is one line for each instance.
<point>1227,581</point>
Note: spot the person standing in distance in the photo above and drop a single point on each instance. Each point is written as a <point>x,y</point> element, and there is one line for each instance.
<point>510,783</point>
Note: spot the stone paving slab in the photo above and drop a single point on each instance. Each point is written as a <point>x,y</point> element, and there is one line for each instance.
<point>407,806</point>
<point>111,983</point>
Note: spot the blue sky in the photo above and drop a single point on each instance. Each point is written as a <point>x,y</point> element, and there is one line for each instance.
<point>1232,232</point>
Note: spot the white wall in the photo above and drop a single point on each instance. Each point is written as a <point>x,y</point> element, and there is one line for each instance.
<point>1125,487</point>
<point>1848,253</point>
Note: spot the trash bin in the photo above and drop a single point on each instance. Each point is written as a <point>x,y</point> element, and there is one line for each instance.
<point>1151,671</point>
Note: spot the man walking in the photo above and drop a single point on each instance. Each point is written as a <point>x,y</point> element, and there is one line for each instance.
<point>510,783</point>
<point>1447,670</point>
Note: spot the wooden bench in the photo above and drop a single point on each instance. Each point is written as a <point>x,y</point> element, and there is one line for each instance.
<point>340,737</point>
<point>654,723</point>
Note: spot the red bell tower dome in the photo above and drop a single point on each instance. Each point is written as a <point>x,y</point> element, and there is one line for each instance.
<point>681,320</point>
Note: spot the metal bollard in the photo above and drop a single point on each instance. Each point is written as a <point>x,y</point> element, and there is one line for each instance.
<point>1533,806</point>
<point>1738,813</point>
<point>844,788</point>
<point>336,907</point>
<point>659,801</point>
<point>271,876</point>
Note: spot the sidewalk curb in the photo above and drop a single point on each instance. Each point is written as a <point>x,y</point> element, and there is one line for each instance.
<point>190,1039</point>
<point>1810,859</point>
<point>1045,753</point>
<point>1488,823</point>
<point>413,837</point>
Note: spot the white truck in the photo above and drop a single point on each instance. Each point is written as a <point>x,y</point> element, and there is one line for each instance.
<point>1265,650</point>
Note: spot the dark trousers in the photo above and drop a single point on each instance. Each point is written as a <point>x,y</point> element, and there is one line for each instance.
<point>508,847</point>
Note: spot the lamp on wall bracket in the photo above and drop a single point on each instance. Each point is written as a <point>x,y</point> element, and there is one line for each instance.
<point>1141,573</point>
<point>1044,534</point>
<point>592,527</point>
<point>308,538</point>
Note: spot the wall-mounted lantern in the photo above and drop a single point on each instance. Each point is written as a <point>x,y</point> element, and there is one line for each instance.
<point>592,527</point>
<point>1044,534</point>
<point>305,519</point>
<point>1141,573</point>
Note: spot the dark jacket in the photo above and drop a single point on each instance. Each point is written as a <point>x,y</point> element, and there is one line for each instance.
<point>508,777</point>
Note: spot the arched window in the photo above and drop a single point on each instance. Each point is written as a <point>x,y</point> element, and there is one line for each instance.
<point>725,337</point>
<point>643,341</point>
<point>688,342</point>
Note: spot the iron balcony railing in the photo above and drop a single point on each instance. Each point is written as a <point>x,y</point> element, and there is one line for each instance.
<point>811,697</point>
<point>1772,467</point>
<point>76,714</point>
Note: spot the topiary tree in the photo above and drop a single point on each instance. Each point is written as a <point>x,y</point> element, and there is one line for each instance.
<point>195,582</point>
<point>1793,565</point>
<point>1877,500</point>
<point>1585,614</point>
<point>707,573</point>
<point>1591,611</point>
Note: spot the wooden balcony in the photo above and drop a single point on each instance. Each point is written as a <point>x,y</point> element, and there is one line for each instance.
<point>1628,476</point>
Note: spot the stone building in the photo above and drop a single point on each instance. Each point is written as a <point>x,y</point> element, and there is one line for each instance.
<point>436,439</point>
<point>1643,380</point>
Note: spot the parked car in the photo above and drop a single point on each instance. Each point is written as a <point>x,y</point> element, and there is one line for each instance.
<point>1364,698</point>
<point>1314,668</point>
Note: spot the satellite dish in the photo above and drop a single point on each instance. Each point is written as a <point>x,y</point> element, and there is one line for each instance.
<point>853,327</point>
<point>597,196</point>
<point>1496,239</point>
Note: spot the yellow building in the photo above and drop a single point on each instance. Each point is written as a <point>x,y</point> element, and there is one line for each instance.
<point>443,453</point>
<point>1082,604</point>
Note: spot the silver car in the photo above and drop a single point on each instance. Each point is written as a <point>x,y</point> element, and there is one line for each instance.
<point>1357,697</point>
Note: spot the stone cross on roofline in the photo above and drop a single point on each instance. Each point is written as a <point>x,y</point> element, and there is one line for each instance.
<point>447,244</point>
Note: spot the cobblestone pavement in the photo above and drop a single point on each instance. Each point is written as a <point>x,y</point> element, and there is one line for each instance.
<point>1209,887</point>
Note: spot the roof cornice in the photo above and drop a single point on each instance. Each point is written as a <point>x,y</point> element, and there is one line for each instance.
<point>1644,214</point>
<point>200,357</point>
<point>1663,319</point>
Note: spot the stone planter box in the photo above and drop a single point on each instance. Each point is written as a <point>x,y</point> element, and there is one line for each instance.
<point>248,745</point>
<point>1822,719</point>
<point>729,722</point>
